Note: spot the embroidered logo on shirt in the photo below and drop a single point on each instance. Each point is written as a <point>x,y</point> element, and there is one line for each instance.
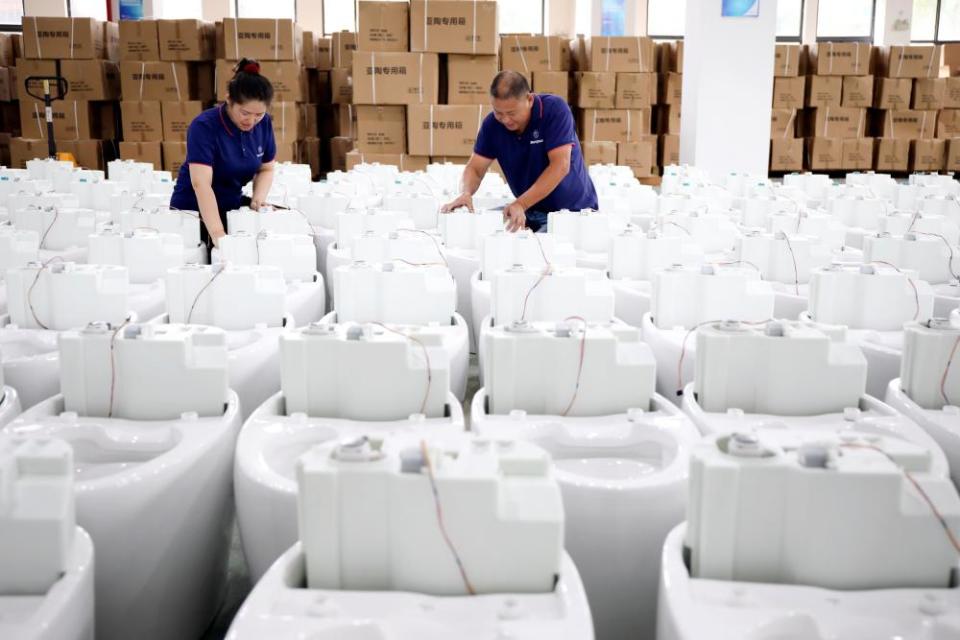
<point>536,134</point>
<point>259,151</point>
<point>536,141</point>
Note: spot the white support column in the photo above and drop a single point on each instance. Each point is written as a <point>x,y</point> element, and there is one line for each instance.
<point>559,18</point>
<point>727,89</point>
<point>892,22</point>
<point>214,10</point>
<point>310,17</point>
<point>808,29</point>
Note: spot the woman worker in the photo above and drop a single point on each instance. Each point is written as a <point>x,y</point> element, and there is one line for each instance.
<point>227,145</point>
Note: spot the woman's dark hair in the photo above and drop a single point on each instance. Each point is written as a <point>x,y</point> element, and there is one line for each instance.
<point>247,84</point>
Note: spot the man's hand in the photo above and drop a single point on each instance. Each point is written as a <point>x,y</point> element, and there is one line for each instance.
<point>462,200</point>
<point>255,205</point>
<point>514,216</point>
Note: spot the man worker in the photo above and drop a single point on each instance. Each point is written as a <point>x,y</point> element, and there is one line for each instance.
<point>533,138</point>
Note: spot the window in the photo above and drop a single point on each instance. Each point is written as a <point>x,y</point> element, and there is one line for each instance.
<point>338,15</point>
<point>789,19</point>
<point>845,19</point>
<point>923,27</point>
<point>666,18</point>
<point>583,19</point>
<point>949,27</point>
<point>11,13</point>
<point>272,9</point>
<point>519,17</point>
<point>88,9</point>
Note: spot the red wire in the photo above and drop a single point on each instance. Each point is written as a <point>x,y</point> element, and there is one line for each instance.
<point>916,293</point>
<point>946,371</point>
<point>435,243</point>
<point>583,348</point>
<point>796,273</point>
<point>949,248</point>
<point>683,346</point>
<point>56,214</point>
<point>547,270</point>
<point>36,279</point>
<point>113,366</point>
<point>426,357</point>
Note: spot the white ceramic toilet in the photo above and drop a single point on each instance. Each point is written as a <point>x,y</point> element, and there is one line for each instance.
<point>46,560</point>
<point>45,300</point>
<point>475,549</point>
<point>685,298</point>
<point>153,428</point>
<point>295,254</point>
<point>248,302</point>
<point>10,402</point>
<point>161,218</point>
<point>328,374</point>
<point>321,204</point>
<point>823,538</point>
<point>17,249</point>
<point>619,450</point>
<point>590,232</point>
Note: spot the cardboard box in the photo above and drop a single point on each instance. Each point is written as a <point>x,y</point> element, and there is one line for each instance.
<point>840,59</point>
<point>337,120</point>
<point>8,91</point>
<point>783,123</point>
<point>837,122</point>
<point>309,116</point>
<point>383,25</point>
<point>948,123</point>
<point>786,154</point>
<point>670,89</point>
<point>381,129</point>
<point>636,90</point>
<point>787,60</point>
<point>402,161</point>
<point>23,149</point>
<point>47,38</point>
<point>344,45</point>
<point>8,57</point>
<point>262,39</point>
<point>824,154</point>
<point>951,93</point>
<point>910,61</point>
<point>166,81</point>
<point>789,93</point>
<point>142,121</point>
<point>288,152</point>
<point>309,50</point>
<point>395,78</point>
<point>594,90</point>
<point>621,53</point>
<point>601,152</point>
<point>640,156</point>
<point>318,86</point>
<point>341,86</point>
<point>953,155</point>
<point>907,124</point>
<point>177,116</point>
<point>288,121</point>
<point>469,77</point>
<point>454,26</point>
<point>325,54</point>
<point>89,154</point>
<point>857,154</point>
<point>339,147</point>
<point>10,118</point>
<point>615,125</point>
<point>174,155</point>
<point>667,119</point>
<point>554,82</point>
<point>311,153</point>
<point>928,155</point>
<point>892,93</point>
<point>87,79</point>
<point>669,150</point>
<point>531,53</point>
<point>139,40</point>
<point>670,56</point>
<point>891,154</point>
<point>824,91</point>
<point>188,40</point>
<point>443,130</point>
<point>151,152</point>
<point>289,79</point>
<point>71,120</point>
<point>928,93</point>
<point>857,92</point>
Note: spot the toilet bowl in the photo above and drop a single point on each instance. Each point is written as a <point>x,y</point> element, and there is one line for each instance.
<point>590,232</point>
<point>621,460</point>
<point>10,400</point>
<point>408,584</point>
<point>46,564</point>
<point>311,410</point>
<point>152,482</point>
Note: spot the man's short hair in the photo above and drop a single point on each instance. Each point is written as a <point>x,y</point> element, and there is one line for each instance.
<point>509,84</point>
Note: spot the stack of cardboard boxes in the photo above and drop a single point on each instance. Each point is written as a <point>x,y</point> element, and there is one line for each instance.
<point>83,51</point>
<point>948,120</point>
<point>543,60</point>
<point>615,88</point>
<point>789,99</point>
<point>335,66</point>
<point>670,90</point>
<point>166,80</point>
<point>10,50</point>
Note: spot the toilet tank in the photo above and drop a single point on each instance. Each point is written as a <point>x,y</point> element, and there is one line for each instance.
<point>395,293</point>
<point>17,248</point>
<point>687,296</point>
<point>294,254</point>
<point>781,368</point>
<point>502,250</point>
<point>930,256</point>
<point>897,224</point>
<point>637,255</point>
<point>59,228</point>
<point>549,368</point>
<point>364,371</point>
<point>186,224</point>
<point>66,295</point>
<point>869,296</point>
<point>466,230</point>
<point>145,253</point>
<point>409,245</point>
<point>321,206</point>
<point>927,348</point>
<point>520,293</point>
<point>829,512</point>
<point>368,516</point>
<point>187,362</point>
<point>587,230</point>
<point>782,257</point>
<point>714,231</point>
<point>37,514</point>
<point>267,219</point>
<point>232,297</point>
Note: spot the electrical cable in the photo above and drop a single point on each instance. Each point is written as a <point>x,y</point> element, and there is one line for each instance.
<point>953,273</point>
<point>426,357</point>
<point>547,270</point>
<point>436,243</point>
<point>796,273</point>
<point>113,365</point>
<point>916,292</point>
<point>946,371</point>
<point>36,279</point>
<point>683,345</point>
<point>56,215</point>
<point>202,289</point>
<point>583,348</point>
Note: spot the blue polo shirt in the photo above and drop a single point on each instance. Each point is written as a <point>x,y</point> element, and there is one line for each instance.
<point>524,157</point>
<point>235,156</point>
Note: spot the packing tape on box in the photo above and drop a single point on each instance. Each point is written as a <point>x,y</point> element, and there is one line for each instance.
<point>856,63</point>
<point>860,128</point>
<point>549,59</point>
<point>900,65</point>
<point>176,80</point>
<point>473,37</point>
<point>830,55</point>
<point>628,126</point>
<point>923,125</point>
<point>826,124</point>
<point>786,129</point>
<point>930,64</point>
<point>891,125</point>
<point>606,63</point>
<point>373,76</point>
<point>593,132</point>
<point>523,58</point>
<point>420,83</point>
<point>276,38</point>
<point>639,54</point>
<point>431,130</point>
<point>236,38</point>
<point>143,72</point>
<point>786,59</point>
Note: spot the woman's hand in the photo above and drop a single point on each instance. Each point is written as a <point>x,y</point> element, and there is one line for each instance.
<point>216,235</point>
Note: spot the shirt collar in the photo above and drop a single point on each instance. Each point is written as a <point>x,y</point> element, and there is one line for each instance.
<point>225,120</point>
